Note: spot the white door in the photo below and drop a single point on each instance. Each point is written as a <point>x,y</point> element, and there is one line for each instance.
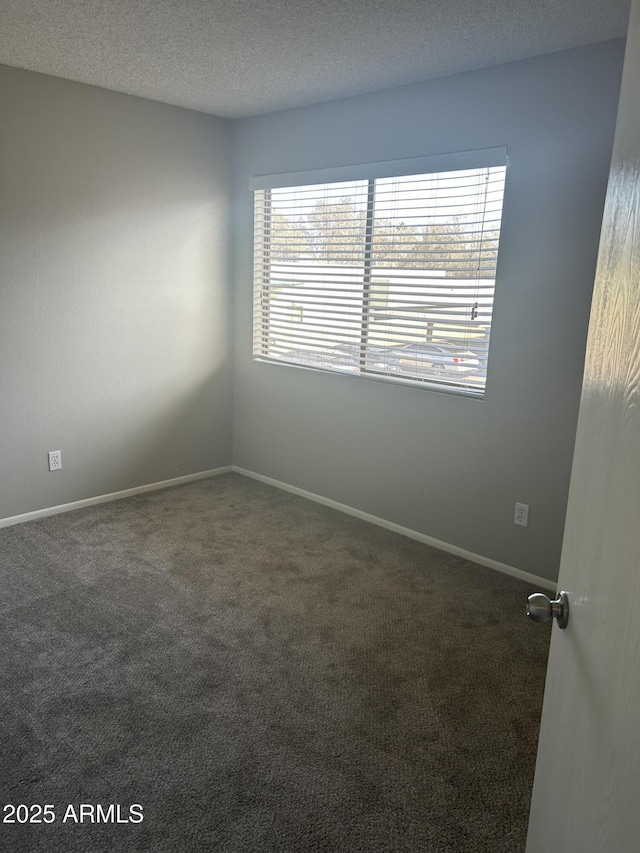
<point>586,795</point>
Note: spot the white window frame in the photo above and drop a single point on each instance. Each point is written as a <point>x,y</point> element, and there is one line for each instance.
<point>452,162</point>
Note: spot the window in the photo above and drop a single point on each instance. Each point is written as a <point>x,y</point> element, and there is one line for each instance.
<point>386,270</point>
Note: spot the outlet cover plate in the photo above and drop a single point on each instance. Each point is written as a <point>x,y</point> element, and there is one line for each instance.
<point>521,515</point>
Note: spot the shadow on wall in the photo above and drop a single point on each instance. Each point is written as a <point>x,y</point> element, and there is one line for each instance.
<point>154,353</point>
<point>171,437</point>
<point>118,355</point>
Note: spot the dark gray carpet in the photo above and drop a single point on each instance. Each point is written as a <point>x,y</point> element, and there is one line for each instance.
<point>261,674</point>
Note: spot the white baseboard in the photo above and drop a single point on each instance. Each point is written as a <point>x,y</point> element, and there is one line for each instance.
<point>113,496</point>
<point>535,580</point>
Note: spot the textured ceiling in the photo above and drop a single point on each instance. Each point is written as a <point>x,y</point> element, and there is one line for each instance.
<point>242,57</point>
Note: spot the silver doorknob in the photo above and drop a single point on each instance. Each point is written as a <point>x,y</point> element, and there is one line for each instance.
<point>540,608</point>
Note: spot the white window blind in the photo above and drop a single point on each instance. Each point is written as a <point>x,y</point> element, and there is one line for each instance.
<point>389,276</point>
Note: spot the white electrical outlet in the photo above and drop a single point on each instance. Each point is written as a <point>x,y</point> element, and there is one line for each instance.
<point>55,460</point>
<point>521,515</point>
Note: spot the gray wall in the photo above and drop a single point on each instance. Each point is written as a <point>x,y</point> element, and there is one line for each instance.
<point>449,467</point>
<point>114,298</point>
